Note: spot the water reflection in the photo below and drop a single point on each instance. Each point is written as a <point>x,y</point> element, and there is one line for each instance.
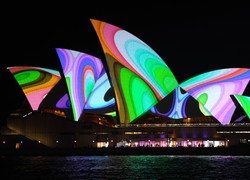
<point>126,167</point>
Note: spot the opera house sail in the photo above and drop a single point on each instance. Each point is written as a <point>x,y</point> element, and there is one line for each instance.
<point>36,82</point>
<point>87,83</point>
<point>244,102</point>
<point>213,90</point>
<point>140,77</point>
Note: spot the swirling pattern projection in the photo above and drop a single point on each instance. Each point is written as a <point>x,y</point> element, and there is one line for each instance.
<point>125,51</point>
<point>36,82</point>
<point>177,106</point>
<point>63,102</point>
<point>97,99</point>
<point>244,102</point>
<point>57,98</point>
<point>213,90</point>
<point>100,100</point>
<point>86,80</point>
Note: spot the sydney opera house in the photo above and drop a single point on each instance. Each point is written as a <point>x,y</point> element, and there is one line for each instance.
<point>130,98</point>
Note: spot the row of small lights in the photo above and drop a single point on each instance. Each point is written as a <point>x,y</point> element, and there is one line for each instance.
<point>4,142</point>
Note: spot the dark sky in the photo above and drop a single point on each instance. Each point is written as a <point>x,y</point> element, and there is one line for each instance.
<point>193,38</point>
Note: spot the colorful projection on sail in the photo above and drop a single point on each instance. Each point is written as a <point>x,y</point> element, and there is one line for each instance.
<point>57,98</point>
<point>36,82</point>
<point>86,80</point>
<point>244,102</point>
<point>178,105</point>
<point>101,100</point>
<point>139,76</point>
<point>213,90</point>
<point>63,102</point>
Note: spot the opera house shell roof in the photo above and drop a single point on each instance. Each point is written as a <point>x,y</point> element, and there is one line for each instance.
<point>131,83</point>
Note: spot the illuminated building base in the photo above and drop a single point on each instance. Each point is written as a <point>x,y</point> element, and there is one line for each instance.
<point>57,132</point>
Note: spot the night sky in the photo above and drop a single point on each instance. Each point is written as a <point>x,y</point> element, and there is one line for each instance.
<point>192,39</point>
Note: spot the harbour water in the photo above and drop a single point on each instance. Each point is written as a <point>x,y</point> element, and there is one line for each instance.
<point>125,167</point>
